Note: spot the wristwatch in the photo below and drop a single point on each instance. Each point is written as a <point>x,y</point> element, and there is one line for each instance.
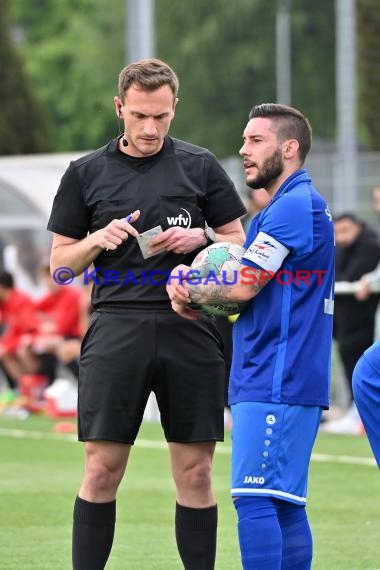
<point>209,235</point>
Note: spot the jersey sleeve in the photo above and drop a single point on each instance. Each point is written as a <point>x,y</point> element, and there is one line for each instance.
<point>69,215</point>
<point>266,253</point>
<point>287,226</point>
<point>223,203</point>
<point>290,221</point>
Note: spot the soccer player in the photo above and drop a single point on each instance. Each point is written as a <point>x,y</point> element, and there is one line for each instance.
<point>18,317</point>
<point>135,343</point>
<point>60,311</point>
<point>280,373</point>
<point>366,388</point>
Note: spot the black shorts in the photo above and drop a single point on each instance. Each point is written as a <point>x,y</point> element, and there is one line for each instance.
<point>128,354</point>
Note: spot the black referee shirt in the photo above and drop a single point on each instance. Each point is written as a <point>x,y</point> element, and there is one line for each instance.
<point>182,185</point>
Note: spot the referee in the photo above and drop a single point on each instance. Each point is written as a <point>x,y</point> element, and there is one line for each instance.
<point>145,180</point>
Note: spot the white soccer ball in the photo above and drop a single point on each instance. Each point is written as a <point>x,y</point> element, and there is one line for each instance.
<point>220,263</point>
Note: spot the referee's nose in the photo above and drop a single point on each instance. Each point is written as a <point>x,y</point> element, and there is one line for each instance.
<point>150,127</point>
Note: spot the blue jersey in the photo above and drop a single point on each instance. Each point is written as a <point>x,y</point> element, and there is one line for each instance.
<point>366,388</point>
<point>283,338</point>
<point>372,356</point>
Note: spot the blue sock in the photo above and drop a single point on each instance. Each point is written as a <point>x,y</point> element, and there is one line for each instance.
<point>259,533</point>
<point>297,551</point>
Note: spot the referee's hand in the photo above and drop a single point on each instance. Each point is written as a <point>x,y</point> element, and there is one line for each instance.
<point>178,240</point>
<point>117,232</point>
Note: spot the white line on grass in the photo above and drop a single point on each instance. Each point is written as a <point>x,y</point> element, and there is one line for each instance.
<point>348,459</point>
<point>29,434</point>
<point>152,444</point>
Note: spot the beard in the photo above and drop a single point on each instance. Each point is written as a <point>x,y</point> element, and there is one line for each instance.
<point>271,169</point>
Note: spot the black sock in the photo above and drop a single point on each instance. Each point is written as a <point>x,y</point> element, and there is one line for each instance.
<point>93,531</point>
<point>11,383</point>
<point>196,536</point>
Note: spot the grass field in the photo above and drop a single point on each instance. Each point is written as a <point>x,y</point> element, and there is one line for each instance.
<point>40,473</point>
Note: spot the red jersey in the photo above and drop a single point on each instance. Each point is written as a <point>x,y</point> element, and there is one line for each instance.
<point>63,309</point>
<point>18,314</point>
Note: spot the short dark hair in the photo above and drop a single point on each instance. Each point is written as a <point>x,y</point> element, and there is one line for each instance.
<point>348,216</point>
<point>6,280</point>
<point>149,75</point>
<point>290,124</point>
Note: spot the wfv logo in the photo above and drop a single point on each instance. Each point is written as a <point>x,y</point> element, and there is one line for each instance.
<point>180,220</point>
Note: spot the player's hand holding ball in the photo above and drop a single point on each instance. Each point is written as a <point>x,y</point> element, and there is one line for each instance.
<point>219,263</point>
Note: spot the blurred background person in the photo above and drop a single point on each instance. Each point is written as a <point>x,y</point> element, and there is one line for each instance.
<point>370,282</point>
<point>357,253</point>
<point>63,316</point>
<point>256,200</point>
<point>376,198</point>
<point>22,258</point>
<point>17,318</point>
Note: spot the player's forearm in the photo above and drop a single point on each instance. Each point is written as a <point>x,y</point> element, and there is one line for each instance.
<point>214,293</point>
<point>221,291</point>
<point>237,287</point>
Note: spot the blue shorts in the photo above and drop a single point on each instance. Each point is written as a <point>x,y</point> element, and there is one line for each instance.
<point>271,449</point>
<point>366,388</point>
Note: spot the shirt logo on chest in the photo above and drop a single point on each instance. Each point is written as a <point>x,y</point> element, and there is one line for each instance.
<point>183,220</point>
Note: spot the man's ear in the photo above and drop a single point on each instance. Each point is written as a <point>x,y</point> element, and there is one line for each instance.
<point>174,106</point>
<point>118,106</point>
<point>290,148</point>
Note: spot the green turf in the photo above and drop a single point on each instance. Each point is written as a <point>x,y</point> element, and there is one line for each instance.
<point>40,474</point>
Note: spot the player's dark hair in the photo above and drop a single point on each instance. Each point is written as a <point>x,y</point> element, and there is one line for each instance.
<point>289,124</point>
<point>6,280</point>
<point>147,75</point>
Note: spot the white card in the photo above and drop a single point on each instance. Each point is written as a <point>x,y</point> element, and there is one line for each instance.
<point>144,241</point>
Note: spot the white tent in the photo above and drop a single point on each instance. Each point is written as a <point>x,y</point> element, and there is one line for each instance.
<point>28,184</point>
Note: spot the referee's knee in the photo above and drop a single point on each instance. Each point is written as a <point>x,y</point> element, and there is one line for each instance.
<point>194,486</point>
<point>99,483</point>
<point>103,473</point>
